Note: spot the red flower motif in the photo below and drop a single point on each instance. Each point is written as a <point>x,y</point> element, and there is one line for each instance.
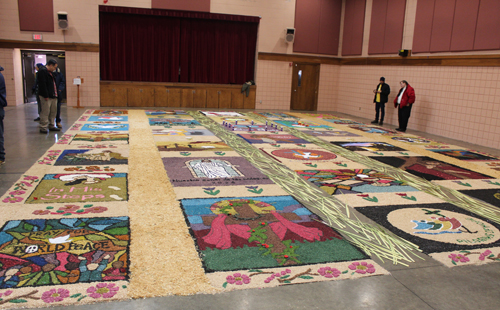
<point>364,195</point>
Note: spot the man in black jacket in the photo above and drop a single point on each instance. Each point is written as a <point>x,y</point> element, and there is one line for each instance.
<point>3,103</point>
<point>381,97</point>
<point>47,90</point>
<point>60,84</point>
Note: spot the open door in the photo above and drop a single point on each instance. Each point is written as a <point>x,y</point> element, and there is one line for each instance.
<point>305,83</point>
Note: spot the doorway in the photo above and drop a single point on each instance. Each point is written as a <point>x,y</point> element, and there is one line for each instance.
<point>29,60</point>
<point>305,84</point>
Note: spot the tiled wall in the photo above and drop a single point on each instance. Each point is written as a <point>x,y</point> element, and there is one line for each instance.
<point>457,102</point>
<point>274,85</point>
<point>328,87</point>
<point>85,65</point>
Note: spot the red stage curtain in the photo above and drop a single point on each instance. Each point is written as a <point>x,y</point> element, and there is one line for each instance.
<point>135,46</point>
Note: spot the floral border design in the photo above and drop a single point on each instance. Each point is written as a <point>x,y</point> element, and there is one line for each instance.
<point>462,256</point>
<point>286,276</point>
<point>50,157</point>
<point>64,139</point>
<point>20,189</point>
<point>71,209</point>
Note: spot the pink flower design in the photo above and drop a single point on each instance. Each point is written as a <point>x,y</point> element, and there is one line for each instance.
<point>238,279</point>
<point>105,290</point>
<point>69,208</point>
<point>459,258</point>
<point>12,199</point>
<point>41,212</point>
<point>329,272</point>
<point>17,193</point>
<point>31,178</point>
<point>97,209</point>
<point>362,267</point>
<point>54,295</point>
<point>484,254</point>
<point>7,293</point>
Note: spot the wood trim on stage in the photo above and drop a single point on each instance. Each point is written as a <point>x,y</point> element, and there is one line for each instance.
<point>465,60</point>
<point>59,46</point>
<point>175,95</point>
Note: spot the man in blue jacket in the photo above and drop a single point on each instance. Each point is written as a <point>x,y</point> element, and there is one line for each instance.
<point>47,90</point>
<point>3,103</point>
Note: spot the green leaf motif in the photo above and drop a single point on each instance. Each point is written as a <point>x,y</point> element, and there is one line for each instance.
<point>306,277</point>
<point>212,192</point>
<point>224,285</point>
<point>254,270</point>
<point>287,281</point>
<point>75,296</point>
<point>374,199</point>
<point>344,272</point>
<point>81,298</point>
<point>50,208</point>
<point>410,198</point>
<point>342,165</point>
<point>18,301</point>
<point>124,286</point>
<point>284,277</point>
<point>453,262</point>
<point>464,184</point>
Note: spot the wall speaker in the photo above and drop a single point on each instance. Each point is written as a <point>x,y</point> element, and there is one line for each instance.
<point>62,20</point>
<point>404,53</point>
<point>289,35</point>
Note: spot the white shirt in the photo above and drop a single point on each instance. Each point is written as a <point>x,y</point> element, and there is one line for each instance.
<point>401,95</point>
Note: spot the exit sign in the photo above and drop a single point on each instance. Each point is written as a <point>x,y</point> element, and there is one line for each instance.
<point>37,37</point>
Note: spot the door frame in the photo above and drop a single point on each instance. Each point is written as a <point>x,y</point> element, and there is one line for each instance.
<point>294,80</point>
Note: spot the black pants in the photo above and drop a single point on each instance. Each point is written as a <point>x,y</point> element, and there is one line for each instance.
<point>59,99</point>
<point>379,106</point>
<point>403,116</point>
<point>2,149</point>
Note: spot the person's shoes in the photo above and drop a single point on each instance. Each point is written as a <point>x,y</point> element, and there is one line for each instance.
<point>54,128</point>
<point>37,119</point>
<point>381,123</point>
<point>59,125</point>
<point>2,162</point>
<point>401,130</point>
<point>44,130</point>
<point>375,122</point>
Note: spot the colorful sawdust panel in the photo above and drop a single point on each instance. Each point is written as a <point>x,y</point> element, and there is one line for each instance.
<point>491,196</point>
<point>104,127</point>
<point>354,181</point>
<point>379,130</point>
<point>272,138</point>
<point>247,233</point>
<point>277,115</point>
<point>195,146</point>
<point>100,138</point>
<point>344,122</point>
<point>172,132</point>
<point>436,227</point>
<point>169,122</point>
<point>72,157</point>
<point>301,124</point>
<point>330,134</point>
<point>227,171</point>
<point>110,112</point>
<point>61,251</point>
<point>163,112</point>
<point>464,155</point>
<point>221,114</point>
<point>368,146</point>
<point>80,187</point>
<point>430,168</point>
<point>108,119</point>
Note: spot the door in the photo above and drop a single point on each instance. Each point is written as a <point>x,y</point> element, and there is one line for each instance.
<point>305,83</point>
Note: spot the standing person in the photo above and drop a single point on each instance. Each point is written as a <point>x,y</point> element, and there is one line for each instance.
<point>47,90</point>
<point>404,101</point>
<point>60,84</point>
<point>34,90</point>
<point>382,92</point>
<point>3,103</point>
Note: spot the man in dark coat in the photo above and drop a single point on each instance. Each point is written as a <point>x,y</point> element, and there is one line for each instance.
<point>34,90</point>
<point>47,90</point>
<point>382,92</point>
<point>3,103</point>
<point>60,84</point>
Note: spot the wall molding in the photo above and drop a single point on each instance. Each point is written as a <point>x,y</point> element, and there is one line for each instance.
<point>59,46</point>
<point>464,60</point>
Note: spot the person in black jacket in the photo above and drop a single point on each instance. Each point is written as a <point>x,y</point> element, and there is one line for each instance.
<point>381,97</point>
<point>60,84</point>
<point>3,103</point>
<point>47,90</point>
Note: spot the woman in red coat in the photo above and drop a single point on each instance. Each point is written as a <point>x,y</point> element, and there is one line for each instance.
<point>404,101</point>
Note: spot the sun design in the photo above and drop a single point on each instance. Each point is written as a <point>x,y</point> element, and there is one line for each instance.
<point>228,206</point>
